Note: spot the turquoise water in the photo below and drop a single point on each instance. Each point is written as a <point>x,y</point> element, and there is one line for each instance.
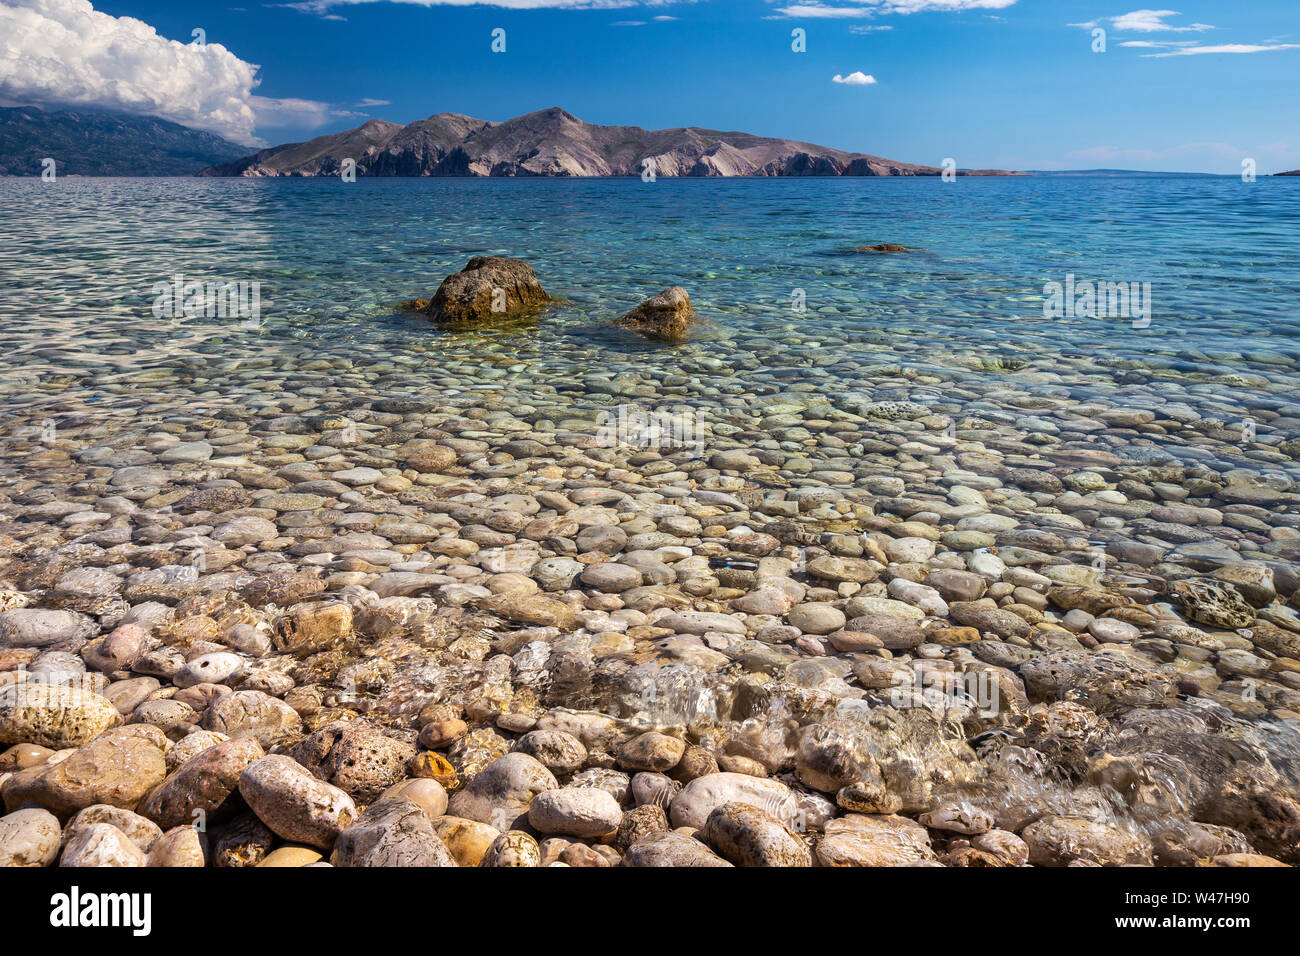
<point>78,260</point>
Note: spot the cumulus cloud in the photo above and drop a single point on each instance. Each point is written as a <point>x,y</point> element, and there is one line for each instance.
<point>856,78</point>
<point>65,52</point>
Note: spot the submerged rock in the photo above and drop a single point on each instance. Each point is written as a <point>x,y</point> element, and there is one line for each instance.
<point>857,840</point>
<point>1060,841</point>
<point>1216,603</point>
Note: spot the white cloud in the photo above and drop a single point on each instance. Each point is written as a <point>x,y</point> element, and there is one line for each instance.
<point>1228,48</point>
<point>857,78</point>
<point>815,9</point>
<point>862,30</point>
<point>1153,21</point>
<point>1145,21</point>
<point>642,23</point>
<point>64,52</point>
<point>294,112</point>
<point>367,103</point>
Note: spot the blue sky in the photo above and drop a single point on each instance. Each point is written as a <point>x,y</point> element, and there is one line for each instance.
<point>1004,83</point>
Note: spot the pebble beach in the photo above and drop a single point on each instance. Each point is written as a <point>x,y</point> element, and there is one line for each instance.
<point>285,599</point>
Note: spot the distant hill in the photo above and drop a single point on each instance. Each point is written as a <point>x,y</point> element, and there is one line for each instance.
<point>1294,172</point>
<point>553,142</point>
<point>94,143</point>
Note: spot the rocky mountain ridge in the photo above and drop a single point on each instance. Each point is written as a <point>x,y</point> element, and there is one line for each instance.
<point>554,142</point>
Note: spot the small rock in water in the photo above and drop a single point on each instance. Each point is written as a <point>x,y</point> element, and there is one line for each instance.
<point>666,317</point>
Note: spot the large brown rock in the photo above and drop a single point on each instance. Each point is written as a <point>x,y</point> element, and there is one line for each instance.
<point>294,804</point>
<point>1216,603</point>
<point>252,713</point>
<point>356,757</point>
<point>747,836</point>
<point>665,317</point>
<point>500,794</point>
<point>118,768</point>
<point>53,715</point>
<point>489,287</point>
<point>203,785</point>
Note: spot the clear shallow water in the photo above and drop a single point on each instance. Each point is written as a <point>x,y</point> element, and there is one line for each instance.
<point>78,259</point>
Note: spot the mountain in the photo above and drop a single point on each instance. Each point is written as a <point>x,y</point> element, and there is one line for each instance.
<point>553,142</point>
<point>1293,172</point>
<point>94,143</point>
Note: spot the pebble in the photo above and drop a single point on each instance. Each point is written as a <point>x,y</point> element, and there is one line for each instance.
<point>585,812</point>
<point>294,804</point>
<point>29,837</point>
